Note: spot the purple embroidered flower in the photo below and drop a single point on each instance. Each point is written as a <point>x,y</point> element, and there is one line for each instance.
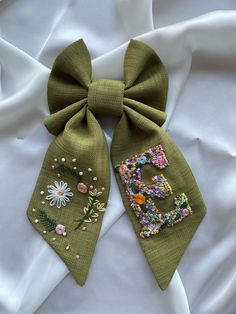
<point>185,212</point>
<point>61,230</point>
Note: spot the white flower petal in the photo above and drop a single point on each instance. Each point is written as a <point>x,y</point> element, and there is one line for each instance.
<point>63,202</point>
<point>49,197</point>
<point>69,194</point>
<point>67,190</point>
<point>65,185</point>
<point>58,203</point>
<point>51,187</point>
<point>53,202</point>
<point>57,185</point>
<point>66,198</point>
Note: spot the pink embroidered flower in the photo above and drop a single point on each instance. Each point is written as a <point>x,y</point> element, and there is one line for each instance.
<point>122,169</point>
<point>185,212</point>
<point>82,188</point>
<point>160,161</point>
<point>61,230</point>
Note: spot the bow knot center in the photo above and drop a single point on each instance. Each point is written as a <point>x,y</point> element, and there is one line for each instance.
<point>105,97</point>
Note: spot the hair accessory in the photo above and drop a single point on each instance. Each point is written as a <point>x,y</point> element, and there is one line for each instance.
<point>158,189</point>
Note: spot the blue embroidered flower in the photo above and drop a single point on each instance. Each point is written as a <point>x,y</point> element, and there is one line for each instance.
<point>142,160</point>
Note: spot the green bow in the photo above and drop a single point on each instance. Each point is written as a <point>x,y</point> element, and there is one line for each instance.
<point>158,189</point>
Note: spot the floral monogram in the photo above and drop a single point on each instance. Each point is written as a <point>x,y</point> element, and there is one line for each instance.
<point>142,196</point>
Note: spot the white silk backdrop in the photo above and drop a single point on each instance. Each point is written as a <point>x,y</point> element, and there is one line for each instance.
<point>199,53</point>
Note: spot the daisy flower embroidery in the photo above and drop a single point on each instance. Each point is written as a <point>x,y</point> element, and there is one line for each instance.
<point>59,194</point>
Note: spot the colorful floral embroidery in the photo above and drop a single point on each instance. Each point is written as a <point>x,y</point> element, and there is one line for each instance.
<point>142,196</point>
<point>59,194</point>
<point>153,221</point>
<point>49,223</point>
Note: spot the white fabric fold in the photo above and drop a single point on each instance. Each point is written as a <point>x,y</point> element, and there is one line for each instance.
<point>200,58</point>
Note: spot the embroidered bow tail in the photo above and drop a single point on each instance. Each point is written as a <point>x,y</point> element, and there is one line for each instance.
<point>157,186</point>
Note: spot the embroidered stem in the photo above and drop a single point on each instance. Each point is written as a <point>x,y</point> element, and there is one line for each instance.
<point>87,215</point>
<point>89,210</point>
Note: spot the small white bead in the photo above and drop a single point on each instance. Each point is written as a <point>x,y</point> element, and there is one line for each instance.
<point>95,178</point>
<point>81,173</point>
<point>74,160</point>
<point>103,189</point>
<point>89,169</point>
<point>36,221</point>
<point>67,247</point>
<point>33,210</point>
<point>84,228</point>
<point>53,239</point>
<point>95,220</point>
<point>63,159</point>
<point>44,231</point>
<point>77,256</point>
<point>64,234</point>
<point>74,168</point>
<point>41,192</point>
<point>55,159</point>
<point>53,166</point>
<point>43,202</point>
<point>58,175</point>
<point>91,186</point>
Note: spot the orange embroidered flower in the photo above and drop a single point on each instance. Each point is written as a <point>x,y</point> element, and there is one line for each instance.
<point>140,199</point>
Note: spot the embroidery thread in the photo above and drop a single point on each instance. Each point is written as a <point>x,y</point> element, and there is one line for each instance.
<point>59,194</point>
<point>142,196</point>
<point>91,211</point>
<point>50,224</point>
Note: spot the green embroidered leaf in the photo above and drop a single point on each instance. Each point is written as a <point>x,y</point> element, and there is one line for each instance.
<point>48,223</point>
<point>143,207</point>
<point>134,188</point>
<point>116,168</point>
<point>65,168</point>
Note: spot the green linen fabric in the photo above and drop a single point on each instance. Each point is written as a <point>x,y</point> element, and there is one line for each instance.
<point>79,153</point>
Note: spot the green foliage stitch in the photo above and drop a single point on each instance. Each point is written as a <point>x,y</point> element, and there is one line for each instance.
<point>46,221</point>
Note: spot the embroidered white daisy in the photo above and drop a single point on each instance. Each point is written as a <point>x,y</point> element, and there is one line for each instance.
<point>59,194</point>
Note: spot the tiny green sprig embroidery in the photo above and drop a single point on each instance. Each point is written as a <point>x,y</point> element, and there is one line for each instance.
<point>91,211</point>
<point>48,223</point>
<point>65,168</point>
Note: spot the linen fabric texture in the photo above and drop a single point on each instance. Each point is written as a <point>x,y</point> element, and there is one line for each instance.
<point>139,101</point>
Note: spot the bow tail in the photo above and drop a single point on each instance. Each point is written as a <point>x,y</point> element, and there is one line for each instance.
<point>71,193</point>
<point>159,192</point>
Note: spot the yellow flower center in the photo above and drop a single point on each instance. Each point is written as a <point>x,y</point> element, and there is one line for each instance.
<point>60,192</point>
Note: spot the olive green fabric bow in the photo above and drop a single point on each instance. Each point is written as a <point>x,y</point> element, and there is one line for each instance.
<point>158,189</point>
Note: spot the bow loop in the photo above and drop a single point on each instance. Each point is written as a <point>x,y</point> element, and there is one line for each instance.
<point>70,77</point>
<point>146,78</point>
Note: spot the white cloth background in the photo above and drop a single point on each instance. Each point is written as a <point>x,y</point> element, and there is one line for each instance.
<point>200,55</point>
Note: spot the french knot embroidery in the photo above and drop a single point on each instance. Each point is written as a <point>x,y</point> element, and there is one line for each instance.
<point>156,184</point>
